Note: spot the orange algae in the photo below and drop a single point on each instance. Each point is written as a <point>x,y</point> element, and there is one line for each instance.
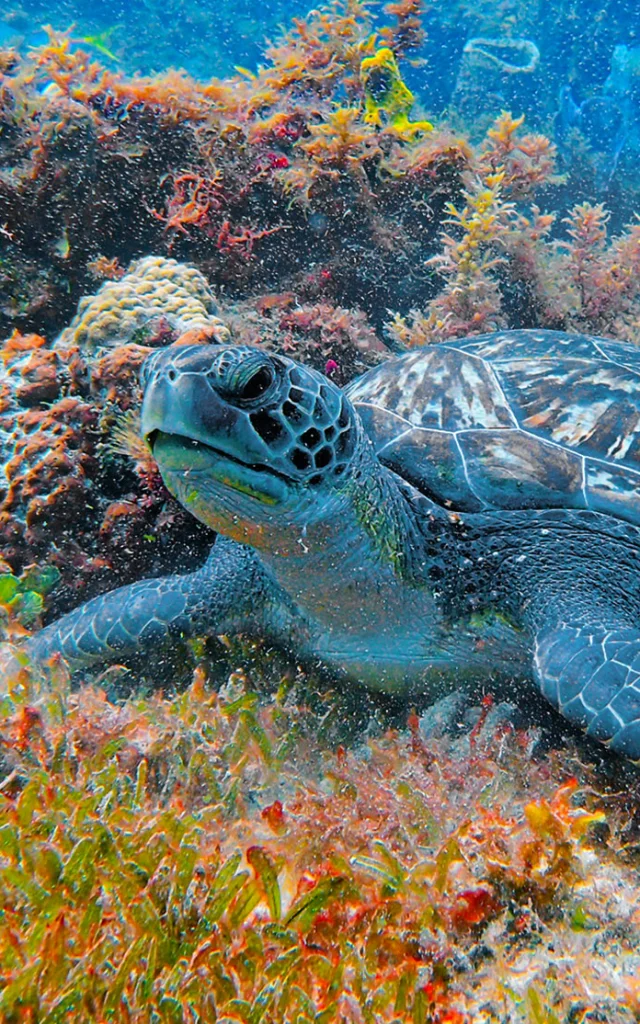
<point>408,31</point>
<point>260,174</point>
<point>210,855</point>
<point>172,859</point>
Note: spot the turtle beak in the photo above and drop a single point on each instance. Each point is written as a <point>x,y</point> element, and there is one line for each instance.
<point>186,406</point>
<point>194,437</point>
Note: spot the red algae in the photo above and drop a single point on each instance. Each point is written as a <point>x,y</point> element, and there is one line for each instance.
<point>250,855</point>
<point>210,854</point>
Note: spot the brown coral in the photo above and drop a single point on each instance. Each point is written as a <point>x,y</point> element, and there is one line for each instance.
<point>70,497</point>
<point>152,287</point>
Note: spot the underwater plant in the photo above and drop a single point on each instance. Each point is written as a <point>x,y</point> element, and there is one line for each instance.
<point>258,848</point>
<point>207,856</point>
<point>505,265</point>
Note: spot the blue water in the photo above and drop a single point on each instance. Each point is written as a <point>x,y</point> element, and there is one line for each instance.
<point>584,93</point>
<point>576,39</point>
<point>203,37</point>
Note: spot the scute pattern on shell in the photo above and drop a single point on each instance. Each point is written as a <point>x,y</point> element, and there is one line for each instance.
<point>513,420</point>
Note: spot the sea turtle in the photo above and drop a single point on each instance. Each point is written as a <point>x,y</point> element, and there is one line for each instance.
<point>465,509</point>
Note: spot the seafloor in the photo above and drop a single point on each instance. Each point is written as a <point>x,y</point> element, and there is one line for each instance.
<point>218,836</point>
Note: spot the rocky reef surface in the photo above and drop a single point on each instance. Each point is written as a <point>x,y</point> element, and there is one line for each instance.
<point>260,847</point>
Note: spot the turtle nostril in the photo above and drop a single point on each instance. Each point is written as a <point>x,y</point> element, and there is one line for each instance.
<point>258,383</point>
<point>171,374</point>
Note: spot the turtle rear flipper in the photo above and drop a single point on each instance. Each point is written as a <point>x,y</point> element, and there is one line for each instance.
<point>591,673</point>
<point>228,593</point>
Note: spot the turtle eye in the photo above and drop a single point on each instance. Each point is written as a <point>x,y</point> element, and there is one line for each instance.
<point>257,384</point>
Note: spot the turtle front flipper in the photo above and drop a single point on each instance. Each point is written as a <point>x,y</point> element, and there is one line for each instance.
<point>591,673</point>
<point>230,592</point>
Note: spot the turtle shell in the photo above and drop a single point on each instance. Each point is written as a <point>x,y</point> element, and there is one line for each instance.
<point>511,420</point>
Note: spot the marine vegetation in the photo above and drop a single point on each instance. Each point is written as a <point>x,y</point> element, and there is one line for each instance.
<point>238,175</point>
<point>502,266</point>
<point>278,181</point>
<point>257,847</point>
<point>225,855</point>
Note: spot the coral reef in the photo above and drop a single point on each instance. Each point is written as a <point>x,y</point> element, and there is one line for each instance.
<point>307,169</point>
<point>152,287</point>
<point>273,851</point>
<point>466,57</point>
<point>237,177</point>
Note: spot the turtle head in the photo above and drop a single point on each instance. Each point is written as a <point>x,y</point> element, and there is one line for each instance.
<point>248,442</point>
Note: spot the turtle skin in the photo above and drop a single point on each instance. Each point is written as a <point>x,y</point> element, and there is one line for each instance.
<point>510,461</point>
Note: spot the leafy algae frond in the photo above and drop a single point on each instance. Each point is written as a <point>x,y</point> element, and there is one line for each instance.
<point>208,857</point>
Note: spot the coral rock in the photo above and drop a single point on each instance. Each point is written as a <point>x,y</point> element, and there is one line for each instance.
<point>114,375</point>
<point>123,525</point>
<point>41,382</point>
<point>152,287</point>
